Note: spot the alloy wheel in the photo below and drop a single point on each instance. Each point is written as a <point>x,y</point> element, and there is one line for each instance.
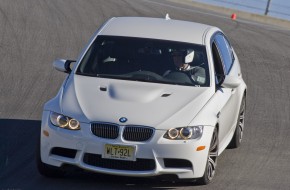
<point>212,158</point>
<point>241,121</point>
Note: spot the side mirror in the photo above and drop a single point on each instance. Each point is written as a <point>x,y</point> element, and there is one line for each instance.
<point>63,65</point>
<point>231,82</point>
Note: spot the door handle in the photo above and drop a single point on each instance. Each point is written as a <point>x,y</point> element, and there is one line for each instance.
<point>218,114</point>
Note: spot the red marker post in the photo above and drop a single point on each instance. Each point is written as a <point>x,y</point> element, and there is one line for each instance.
<point>234,16</point>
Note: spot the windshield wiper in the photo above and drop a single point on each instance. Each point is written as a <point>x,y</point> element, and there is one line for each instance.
<point>110,76</point>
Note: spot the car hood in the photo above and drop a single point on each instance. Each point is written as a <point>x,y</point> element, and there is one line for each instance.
<point>162,106</point>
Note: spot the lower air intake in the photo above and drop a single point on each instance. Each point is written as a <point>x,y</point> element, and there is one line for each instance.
<point>138,165</point>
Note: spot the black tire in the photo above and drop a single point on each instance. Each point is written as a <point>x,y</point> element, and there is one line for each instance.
<point>211,165</point>
<point>238,135</point>
<point>45,169</point>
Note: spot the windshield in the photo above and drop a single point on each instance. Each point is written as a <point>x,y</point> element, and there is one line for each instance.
<point>146,60</point>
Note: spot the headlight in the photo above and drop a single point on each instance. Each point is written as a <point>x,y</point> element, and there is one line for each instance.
<point>173,133</point>
<point>184,133</point>
<point>62,121</point>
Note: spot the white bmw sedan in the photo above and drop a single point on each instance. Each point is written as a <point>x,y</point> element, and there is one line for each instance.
<point>147,97</point>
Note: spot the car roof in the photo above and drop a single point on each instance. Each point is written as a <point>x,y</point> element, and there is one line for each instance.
<point>156,28</point>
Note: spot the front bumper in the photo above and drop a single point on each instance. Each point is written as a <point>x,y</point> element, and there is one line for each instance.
<point>162,156</point>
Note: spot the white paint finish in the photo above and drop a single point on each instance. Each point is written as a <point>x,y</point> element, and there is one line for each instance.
<point>82,98</point>
<point>142,103</point>
<point>156,28</point>
<point>157,149</point>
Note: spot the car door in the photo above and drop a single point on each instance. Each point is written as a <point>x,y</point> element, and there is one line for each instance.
<point>224,60</point>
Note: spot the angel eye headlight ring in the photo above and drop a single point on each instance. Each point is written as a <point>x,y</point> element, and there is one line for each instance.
<point>73,124</point>
<point>186,133</point>
<point>64,122</point>
<point>173,133</point>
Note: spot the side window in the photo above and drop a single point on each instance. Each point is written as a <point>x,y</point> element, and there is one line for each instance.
<point>218,65</point>
<point>225,51</point>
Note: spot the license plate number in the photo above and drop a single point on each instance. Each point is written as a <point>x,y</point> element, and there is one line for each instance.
<point>119,152</point>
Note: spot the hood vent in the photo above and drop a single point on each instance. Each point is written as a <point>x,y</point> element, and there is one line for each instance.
<point>165,95</point>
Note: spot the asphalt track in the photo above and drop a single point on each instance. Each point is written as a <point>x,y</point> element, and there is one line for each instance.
<point>35,32</point>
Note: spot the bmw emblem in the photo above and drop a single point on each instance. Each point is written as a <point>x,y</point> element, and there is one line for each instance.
<point>123,119</point>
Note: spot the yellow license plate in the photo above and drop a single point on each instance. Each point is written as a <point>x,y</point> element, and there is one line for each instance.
<point>119,152</point>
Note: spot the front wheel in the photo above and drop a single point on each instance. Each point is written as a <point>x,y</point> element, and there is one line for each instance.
<point>238,135</point>
<point>211,165</point>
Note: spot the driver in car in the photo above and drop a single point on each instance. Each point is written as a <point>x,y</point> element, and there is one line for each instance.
<point>186,61</point>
